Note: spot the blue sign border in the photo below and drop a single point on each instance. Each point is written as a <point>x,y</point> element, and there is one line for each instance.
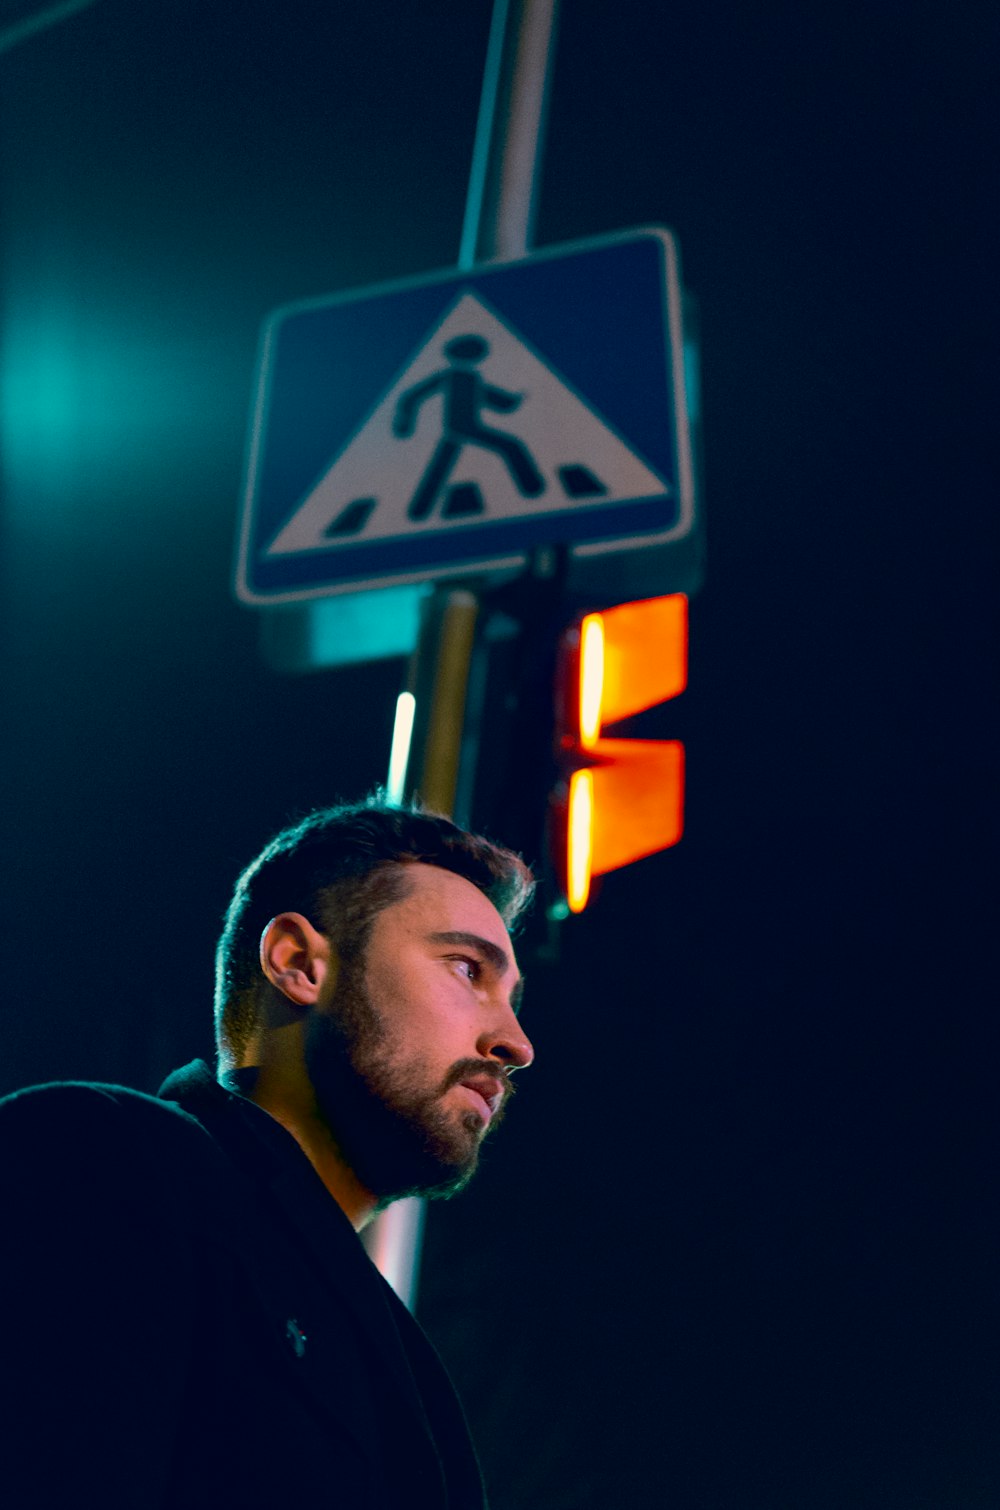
<point>629,287</point>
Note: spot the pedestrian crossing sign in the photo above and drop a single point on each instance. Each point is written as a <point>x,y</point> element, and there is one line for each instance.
<point>450,425</point>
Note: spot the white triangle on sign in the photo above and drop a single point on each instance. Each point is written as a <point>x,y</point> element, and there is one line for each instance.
<point>494,434</point>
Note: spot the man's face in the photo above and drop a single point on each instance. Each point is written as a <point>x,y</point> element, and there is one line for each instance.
<point>410,1050</point>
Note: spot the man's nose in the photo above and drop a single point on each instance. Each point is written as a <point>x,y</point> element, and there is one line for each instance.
<point>507,1042</point>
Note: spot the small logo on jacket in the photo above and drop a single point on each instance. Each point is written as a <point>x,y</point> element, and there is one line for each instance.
<point>295,1337</point>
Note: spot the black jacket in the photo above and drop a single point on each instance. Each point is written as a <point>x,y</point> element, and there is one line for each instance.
<point>190,1320</point>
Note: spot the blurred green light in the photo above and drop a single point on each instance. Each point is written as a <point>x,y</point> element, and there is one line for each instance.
<point>363,626</point>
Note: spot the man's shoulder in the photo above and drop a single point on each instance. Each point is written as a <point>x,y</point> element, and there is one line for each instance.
<point>124,1177</point>
<point>91,1125</point>
<point>90,1102</point>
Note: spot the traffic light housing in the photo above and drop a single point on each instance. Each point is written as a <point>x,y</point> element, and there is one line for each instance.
<point>615,800</point>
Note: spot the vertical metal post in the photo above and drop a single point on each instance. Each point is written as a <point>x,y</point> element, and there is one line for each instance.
<point>499,217</point>
<point>439,679</point>
<point>506,157</point>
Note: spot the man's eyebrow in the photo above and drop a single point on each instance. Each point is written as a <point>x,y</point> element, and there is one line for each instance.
<point>496,957</point>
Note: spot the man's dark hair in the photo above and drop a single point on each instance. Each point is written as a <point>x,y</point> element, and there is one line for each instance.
<point>339,867</point>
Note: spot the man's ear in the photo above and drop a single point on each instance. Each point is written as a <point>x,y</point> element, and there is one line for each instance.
<point>295,957</point>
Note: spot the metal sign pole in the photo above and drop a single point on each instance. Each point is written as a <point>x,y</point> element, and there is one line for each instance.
<point>506,158</point>
<point>499,214</point>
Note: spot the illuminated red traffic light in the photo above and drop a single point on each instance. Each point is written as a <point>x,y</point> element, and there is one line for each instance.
<point>618,799</point>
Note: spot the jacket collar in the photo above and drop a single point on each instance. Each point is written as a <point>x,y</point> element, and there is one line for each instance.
<point>268,1155</point>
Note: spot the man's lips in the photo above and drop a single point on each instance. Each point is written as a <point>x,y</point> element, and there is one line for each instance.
<point>489,1090</point>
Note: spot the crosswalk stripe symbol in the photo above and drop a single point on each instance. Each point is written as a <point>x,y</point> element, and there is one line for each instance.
<point>476,428</point>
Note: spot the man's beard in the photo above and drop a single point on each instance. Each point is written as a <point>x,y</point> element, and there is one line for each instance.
<point>395,1134</point>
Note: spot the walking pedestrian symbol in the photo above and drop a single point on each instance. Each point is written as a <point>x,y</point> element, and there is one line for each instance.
<point>477,428</point>
<point>464,394</point>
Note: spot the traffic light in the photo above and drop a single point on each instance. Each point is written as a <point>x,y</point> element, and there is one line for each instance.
<point>615,800</point>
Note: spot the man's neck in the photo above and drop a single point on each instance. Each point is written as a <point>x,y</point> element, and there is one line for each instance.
<point>282,1098</point>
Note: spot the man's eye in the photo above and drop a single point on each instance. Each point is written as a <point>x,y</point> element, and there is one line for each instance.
<point>470,968</point>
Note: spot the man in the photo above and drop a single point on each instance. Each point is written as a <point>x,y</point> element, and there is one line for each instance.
<point>191,1318</point>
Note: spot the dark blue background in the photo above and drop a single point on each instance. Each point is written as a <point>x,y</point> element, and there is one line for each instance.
<point>736,1248</point>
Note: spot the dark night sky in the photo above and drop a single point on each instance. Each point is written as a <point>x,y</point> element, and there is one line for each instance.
<point>736,1249</point>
